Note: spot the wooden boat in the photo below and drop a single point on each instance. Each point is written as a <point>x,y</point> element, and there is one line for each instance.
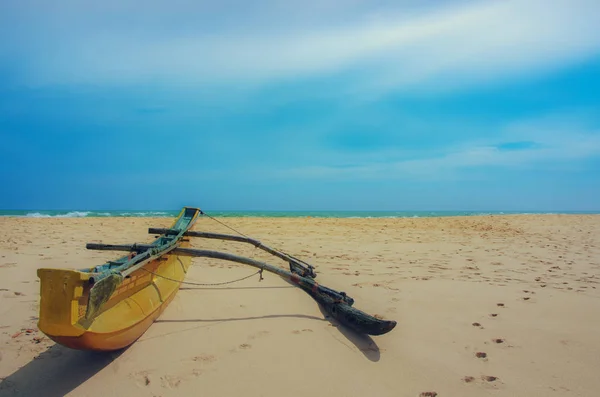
<point>75,313</point>
<point>108,307</point>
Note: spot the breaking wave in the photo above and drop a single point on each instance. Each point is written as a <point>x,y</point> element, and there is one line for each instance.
<point>72,214</point>
<point>88,214</point>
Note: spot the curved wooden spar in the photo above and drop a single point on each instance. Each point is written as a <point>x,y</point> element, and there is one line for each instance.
<point>308,270</point>
<point>337,304</point>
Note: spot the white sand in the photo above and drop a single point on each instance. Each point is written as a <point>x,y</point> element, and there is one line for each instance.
<point>435,276</point>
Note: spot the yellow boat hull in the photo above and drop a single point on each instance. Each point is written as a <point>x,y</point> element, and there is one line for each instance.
<point>130,311</point>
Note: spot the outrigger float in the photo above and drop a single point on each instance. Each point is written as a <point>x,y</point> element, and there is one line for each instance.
<point>109,306</point>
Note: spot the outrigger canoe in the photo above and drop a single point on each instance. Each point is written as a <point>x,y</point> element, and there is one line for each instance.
<point>75,313</point>
<point>108,307</point>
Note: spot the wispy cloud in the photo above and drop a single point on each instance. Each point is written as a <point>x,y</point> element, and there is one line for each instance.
<point>388,46</point>
<point>522,146</point>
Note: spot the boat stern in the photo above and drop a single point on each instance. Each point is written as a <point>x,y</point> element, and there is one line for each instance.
<point>63,301</point>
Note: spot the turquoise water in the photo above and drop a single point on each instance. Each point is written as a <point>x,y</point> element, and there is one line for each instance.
<point>264,214</point>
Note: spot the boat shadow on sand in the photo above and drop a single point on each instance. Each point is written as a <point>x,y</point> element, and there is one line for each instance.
<point>56,372</point>
<point>364,343</point>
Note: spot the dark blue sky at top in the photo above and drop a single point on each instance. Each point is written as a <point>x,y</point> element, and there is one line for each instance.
<point>93,119</point>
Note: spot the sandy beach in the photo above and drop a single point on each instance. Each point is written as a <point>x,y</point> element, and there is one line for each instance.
<point>488,305</point>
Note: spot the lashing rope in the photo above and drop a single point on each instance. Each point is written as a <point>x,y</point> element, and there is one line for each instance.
<point>227,226</point>
<point>248,237</point>
<point>207,284</point>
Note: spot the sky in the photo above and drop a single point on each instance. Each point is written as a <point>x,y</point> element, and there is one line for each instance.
<point>312,105</point>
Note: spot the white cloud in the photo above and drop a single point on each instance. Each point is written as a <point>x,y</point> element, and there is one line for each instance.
<point>389,49</point>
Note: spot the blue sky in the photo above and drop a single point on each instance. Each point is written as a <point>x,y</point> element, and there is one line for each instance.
<point>312,105</point>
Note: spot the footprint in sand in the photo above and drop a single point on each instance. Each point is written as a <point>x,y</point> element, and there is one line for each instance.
<point>142,378</point>
<point>498,340</point>
<point>481,355</point>
<point>297,331</point>
<point>170,381</point>
<point>489,378</point>
<point>245,346</point>
<point>493,314</point>
<point>500,304</point>
<point>477,325</point>
<point>205,358</point>
<point>258,335</point>
<point>428,394</point>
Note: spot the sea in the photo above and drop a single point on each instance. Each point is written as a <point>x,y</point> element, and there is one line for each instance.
<point>268,214</point>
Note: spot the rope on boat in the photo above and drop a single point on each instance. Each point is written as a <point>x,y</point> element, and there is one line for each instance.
<point>260,272</point>
<point>248,237</point>
<point>227,226</point>
<point>206,284</point>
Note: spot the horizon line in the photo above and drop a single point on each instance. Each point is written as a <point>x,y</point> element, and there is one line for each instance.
<point>302,210</point>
